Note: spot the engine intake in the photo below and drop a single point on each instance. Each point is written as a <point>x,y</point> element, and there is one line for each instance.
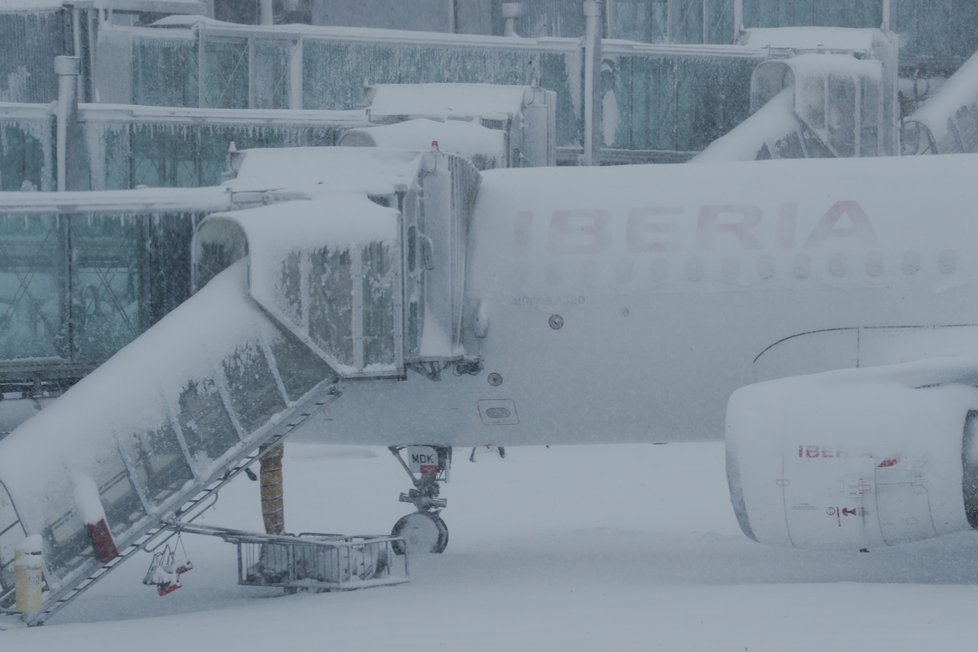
<point>856,458</point>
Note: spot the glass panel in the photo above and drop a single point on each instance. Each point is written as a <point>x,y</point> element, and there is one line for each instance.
<point>207,428</point>
<point>158,462</point>
<point>22,157</point>
<point>68,543</point>
<point>29,41</point>
<point>270,75</point>
<point>299,369</point>
<point>331,304</point>
<point>842,115</point>
<point>105,283</point>
<point>119,498</point>
<point>254,394</point>
<point>30,288</point>
<point>225,72</point>
<point>378,305</point>
<point>11,534</point>
<point>164,156</point>
<point>164,72</point>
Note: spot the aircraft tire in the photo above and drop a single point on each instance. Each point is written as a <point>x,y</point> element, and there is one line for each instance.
<point>423,532</point>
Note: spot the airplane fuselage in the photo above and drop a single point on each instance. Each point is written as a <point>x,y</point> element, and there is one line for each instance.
<point>626,304</point>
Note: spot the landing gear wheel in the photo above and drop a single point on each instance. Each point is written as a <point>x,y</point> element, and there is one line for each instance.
<point>422,532</point>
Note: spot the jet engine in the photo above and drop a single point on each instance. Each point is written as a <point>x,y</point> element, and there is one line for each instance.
<point>857,458</point>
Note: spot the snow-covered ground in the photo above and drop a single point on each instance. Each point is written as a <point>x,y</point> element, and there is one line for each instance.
<point>579,548</point>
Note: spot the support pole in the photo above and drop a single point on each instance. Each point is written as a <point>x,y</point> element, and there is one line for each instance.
<point>738,19</point>
<point>889,19</point>
<point>267,12</point>
<point>592,83</point>
<point>272,490</point>
<point>67,69</point>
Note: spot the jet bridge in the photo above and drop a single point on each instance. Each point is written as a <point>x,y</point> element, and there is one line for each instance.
<point>347,267</point>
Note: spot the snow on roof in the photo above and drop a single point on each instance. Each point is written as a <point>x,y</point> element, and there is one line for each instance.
<point>144,200</point>
<point>315,171</point>
<point>466,138</point>
<point>487,101</point>
<point>812,38</point>
<point>29,5</point>
<point>156,6</point>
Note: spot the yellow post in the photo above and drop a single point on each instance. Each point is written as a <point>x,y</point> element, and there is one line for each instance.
<point>28,575</point>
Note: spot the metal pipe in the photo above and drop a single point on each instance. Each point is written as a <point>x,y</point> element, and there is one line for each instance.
<point>887,15</point>
<point>67,70</point>
<point>267,12</point>
<point>592,83</point>
<point>738,19</point>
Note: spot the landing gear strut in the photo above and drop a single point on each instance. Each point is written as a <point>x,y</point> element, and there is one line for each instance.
<point>424,530</point>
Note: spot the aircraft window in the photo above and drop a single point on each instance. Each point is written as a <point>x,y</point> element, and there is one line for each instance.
<point>874,263</point>
<point>947,261</point>
<point>299,369</point>
<point>207,429</point>
<point>157,461</point>
<point>910,264</point>
<point>251,387</point>
<point>802,266</point>
<point>837,265</point>
<point>766,266</point>
<point>694,269</point>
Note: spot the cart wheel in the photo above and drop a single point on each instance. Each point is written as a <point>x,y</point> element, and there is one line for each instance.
<point>422,532</point>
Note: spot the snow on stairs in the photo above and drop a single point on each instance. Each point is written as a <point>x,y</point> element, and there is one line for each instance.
<point>160,428</point>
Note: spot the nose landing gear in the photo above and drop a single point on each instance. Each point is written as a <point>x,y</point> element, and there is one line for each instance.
<point>423,531</point>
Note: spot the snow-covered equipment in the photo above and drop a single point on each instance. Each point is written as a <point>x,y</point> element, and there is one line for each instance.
<point>824,92</point>
<point>380,234</point>
<point>312,561</point>
<point>525,116</point>
<point>948,122</point>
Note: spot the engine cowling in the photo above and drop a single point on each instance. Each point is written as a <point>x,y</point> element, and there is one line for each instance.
<point>856,458</point>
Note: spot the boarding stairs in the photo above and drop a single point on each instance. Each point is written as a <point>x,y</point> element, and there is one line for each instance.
<point>299,294</point>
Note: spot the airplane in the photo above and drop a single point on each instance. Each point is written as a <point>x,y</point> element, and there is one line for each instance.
<point>407,300</point>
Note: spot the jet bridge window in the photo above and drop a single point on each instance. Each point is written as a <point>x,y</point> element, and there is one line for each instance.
<point>122,504</point>
<point>67,541</point>
<point>251,386</point>
<point>331,304</point>
<point>300,371</point>
<point>207,428</point>
<point>158,462</point>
